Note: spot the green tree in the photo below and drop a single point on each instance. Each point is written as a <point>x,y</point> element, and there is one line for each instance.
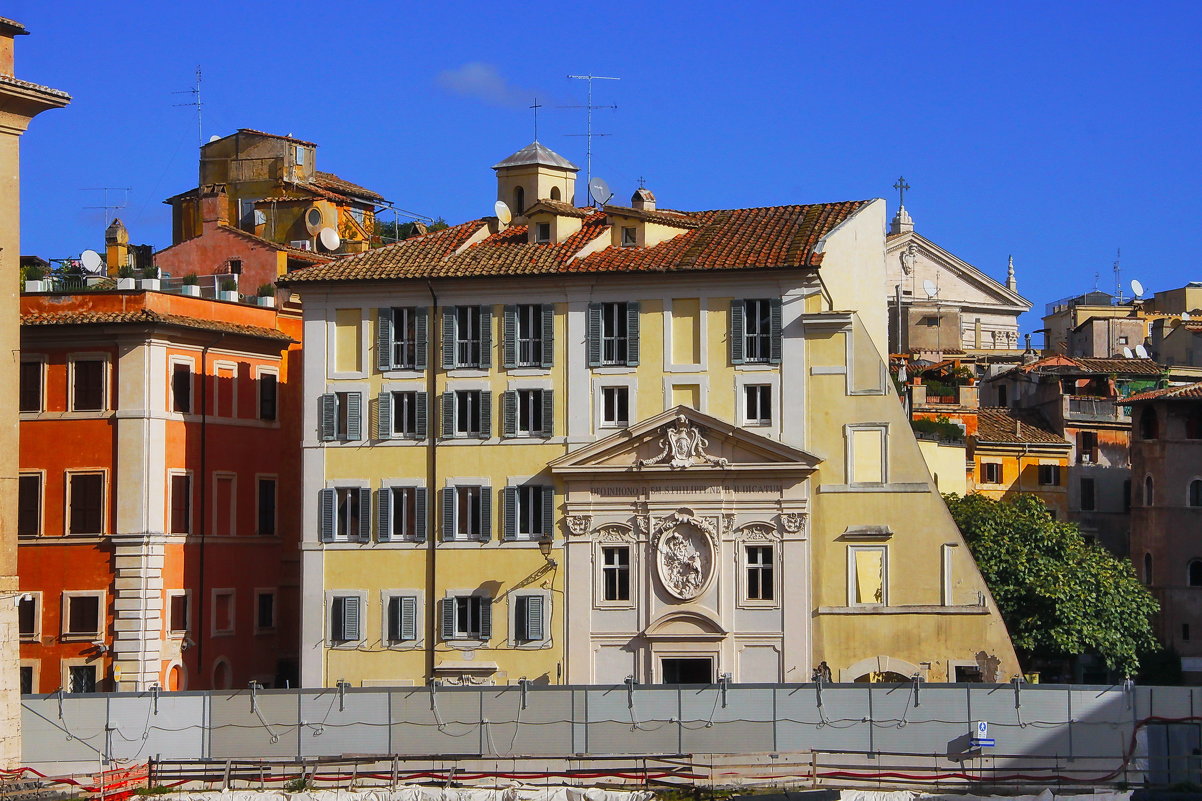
<point>1059,595</point>
<point>388,232</point>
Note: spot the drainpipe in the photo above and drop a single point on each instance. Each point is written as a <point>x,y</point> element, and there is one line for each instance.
<point>204,428</point>
<point>432,494</point>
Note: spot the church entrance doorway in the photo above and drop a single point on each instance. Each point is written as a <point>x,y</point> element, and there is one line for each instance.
<point>687,671</point>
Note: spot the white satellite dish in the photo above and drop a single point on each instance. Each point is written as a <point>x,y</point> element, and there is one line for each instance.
<point>503,212</point>
<point>1185,316</point>
<point>599,190</point>
<point>214,138</point>
<point>1137,288</point>
<point>329,239</point>
<point>1141,351</point>
<point>929,287</point>
<point>91,261</point>
<point>1127,352</point>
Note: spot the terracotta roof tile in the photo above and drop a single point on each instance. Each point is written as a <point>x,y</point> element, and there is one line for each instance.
<point>37,87</point>
<point>276,136</point>
<point>294,253</point>
<point>677,218</point>
<point>148,317</point>
<point>328,180</point>
<point>559,207</point>
<point>732,239</point>
<point>1129,366</point>
<point>1182,393</point>
<point>1007,425</point>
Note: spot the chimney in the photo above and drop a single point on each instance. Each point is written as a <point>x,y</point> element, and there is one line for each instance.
<point>116,246</point>
<point>214,208</point>
<point>643,199</point>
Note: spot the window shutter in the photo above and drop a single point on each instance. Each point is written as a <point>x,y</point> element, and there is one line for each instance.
<point>354,416</point>
<point>408,618</point>
<point>384,340</point>
<point>448,414</point>
<point>448,338</point>
<point>548,413</point>
<point>485,618</point>
<point>384,416</point>
<point>485,415</point>
<point>509,502</point>
<point>384,514</point>
<point>774,327</point>
<point>421,328</point>
<point>448,514</point>
<point>448,618</point>
<point>419,514</point>
<point>548,512</point>
<point>548,355</point>
<point>327,408</point>
<point>594,335</point>
<point>509,413</point>
<point>738,326</point>
<point>486,336</point>
<point>364,515</point>
<point>510,336</point>
<point>325,517</point>
<point>632,334</point>
<point>351,618</point>
<point>422,413</point>
<point>534,617</point>
<point>485,514</point>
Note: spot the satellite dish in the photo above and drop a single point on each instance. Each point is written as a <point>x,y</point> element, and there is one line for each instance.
<point>1141,351</point>
<point>1127,352</point>
<point>929,287</point>
<point>91,261</point>
<point>1137,288</point>
<point>503,212</point>
<point>599,190</point>
<point>214,138</point>
<point>1185,316</point>
<point>314,220</point>
<point>329,239</point>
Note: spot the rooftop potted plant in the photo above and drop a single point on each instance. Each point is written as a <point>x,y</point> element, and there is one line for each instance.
<point>229,290</point>
<point>191,286</point>
<point>150,279</point>
<point>266,295</point>
<point>125,277</point>
<point>33,275</point>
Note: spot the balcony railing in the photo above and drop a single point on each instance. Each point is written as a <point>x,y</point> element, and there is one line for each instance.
<point>1099,409</point>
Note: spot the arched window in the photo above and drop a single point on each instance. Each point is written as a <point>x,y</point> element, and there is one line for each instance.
<point>555,193</point>
<point>519,200</point>
<point>1148,569</point>
<point>1149,424</point>
<point>1195,573</point>
<point>1195,493</point>
<point>1149,493</point>
<point>222,674</point>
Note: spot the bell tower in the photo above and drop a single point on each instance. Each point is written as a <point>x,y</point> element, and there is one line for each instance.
<point>532,174</point>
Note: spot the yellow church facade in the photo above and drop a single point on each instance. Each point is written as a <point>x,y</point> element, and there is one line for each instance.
<point>586,445</point>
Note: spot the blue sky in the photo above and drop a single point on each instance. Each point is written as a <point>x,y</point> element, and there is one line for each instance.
<point>1056,132</point>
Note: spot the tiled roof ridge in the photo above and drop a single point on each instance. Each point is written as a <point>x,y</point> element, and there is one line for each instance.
<point>997,424</point>
<point>37,87</point>
<point>303,254</point>
<point>678,218</point>
<point>146,316</point>
<point>1183,392</point>
<point>337,182</point>
<point>275,136</point>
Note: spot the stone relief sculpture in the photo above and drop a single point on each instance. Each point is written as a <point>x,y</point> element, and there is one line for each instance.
<point>908,257</point>
<point>578,524</point>
<point>684,554</point>
<point>683,446</point>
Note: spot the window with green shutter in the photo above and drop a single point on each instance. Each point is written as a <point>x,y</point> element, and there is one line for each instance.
<point>346,619</point>
<point>466,617</point>
<point>528,511</point>
<point>755,331</point>
<point>529,618</point>
<point>401,623</point>
<point>467,337</point>
<point>527,330</point>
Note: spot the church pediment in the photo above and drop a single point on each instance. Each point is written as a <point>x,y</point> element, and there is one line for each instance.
<point>912,259</point>
<point>683,440</point>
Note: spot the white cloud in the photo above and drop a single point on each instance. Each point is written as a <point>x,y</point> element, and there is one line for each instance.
<point>483,82</point>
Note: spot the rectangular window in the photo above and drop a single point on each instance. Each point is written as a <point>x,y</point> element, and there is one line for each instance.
<point>467,617</point>
<point>225,506</point>
<point>29,505</point>
<point>266,507</point>
<point>346,415</point>
<point>467,336</point>
<point>1049,475</point>
<point>1088,500</point>
<point>347,500</point>
<point>613,333</point>
<point>530,335</point>
<point>87,503</point>
<point>403,518</point>
<point>405,414</point>
<point>630,236</point>
<point>265,610</point>
<point>991,473</point>
<point>467,512</point>
<point>268,395</point>
<point>346,619</point>
<point>404,338</point>
<point>26,679</point>
<point>181,388</point>
<point>31,386</point>
<point>757,404</point>
<point>760,585</point>
<point>469,420</point>
<point>81,678</point>
<point>87,391</point>
<point>529,618</point>
<point>530,412</point>
<point>27,616</point>
<point>181,504</point>
<point>867,576</point>
<point>179,613</point>
<point>223,612</point>
<point>542,233</point>
<point>224,392</point>
<point>615,406</point>
<point>615,573</point>
<point>401,625</point>
<point>531,512</point>
<point>81,615</point>
<point>757,335</point>
<point>1087,447</point>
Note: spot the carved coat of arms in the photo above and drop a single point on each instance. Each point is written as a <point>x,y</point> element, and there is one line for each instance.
<point>684,554</point>
<point>683,446</point>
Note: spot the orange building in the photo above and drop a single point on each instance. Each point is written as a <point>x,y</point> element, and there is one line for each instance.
<point>1015,452</point>
<point>158,515</point>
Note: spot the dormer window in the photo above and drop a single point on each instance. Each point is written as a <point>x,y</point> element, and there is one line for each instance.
<point>300,156</point>
<point>542,233</point>
<point>629,236</point>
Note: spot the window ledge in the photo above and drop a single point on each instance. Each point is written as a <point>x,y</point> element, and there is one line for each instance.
<point>906,609</point>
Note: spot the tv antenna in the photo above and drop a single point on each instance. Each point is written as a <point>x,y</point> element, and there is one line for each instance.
<point>113,207</point>
<point>195,92</point>
<point>1118,280</point>
<point>588,134</point>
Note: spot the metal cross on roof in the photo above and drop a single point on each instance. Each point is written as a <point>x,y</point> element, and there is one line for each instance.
<point>642,182</point>
<point>536,106</point>
<point>901,186</point>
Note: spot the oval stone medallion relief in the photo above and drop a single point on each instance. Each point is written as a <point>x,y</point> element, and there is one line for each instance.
<point>684,554</point>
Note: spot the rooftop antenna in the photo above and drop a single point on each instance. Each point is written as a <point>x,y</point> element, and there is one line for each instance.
<point>1118,280</point>
<point>114,207</point>
<point>588,107</point>
<point>195,92</point>
<point>536,106</point>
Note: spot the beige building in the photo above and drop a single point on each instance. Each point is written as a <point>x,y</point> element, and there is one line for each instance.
<point>20,102</point>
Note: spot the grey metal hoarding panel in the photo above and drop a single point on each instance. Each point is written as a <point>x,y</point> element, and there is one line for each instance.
<point>441,722</point>
<point>78,736</point>
<point>618,726</point>
<point>1170,702</point>
<point>354,722</point>
<point>269,730</point>
<point>932,720</point>
<point>1102,722</point>
<point>1024,729</point>
<point>836,726</point>
<point>710,726</point>
<point>170,728</point>
<point>544,726</point>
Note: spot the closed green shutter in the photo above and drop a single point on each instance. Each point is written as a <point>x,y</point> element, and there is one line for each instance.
<point>421,340</point>
<point>485,415</point>
<point>548,355</point>
<point>509,413</point>
<point>351,619</point>
<point>448,338</point>
<point>485,514</point>
<point>486,336</point>
<point>384,340</point>
<point>364,515</point>
<point>632,334</point>
<point>325,514</point>
<point>509,504</point>
<point>774,329</point>
<point>354,416</point>
<point>448,514</point>
<point>384,514</point>
<point>548,429</point>
<point>535,618</point>
<point>408,616</point>
<point>448,618</point>
<point>485,619</point>
<point>509,332</point>
<point>448,414</point>
<point>327,411</point>
<point>384,416</point>
<point>594,335</point>
<point>548,520</point>
<point>422,415</point>
<point>419,514</point>
<point>738,325</point>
